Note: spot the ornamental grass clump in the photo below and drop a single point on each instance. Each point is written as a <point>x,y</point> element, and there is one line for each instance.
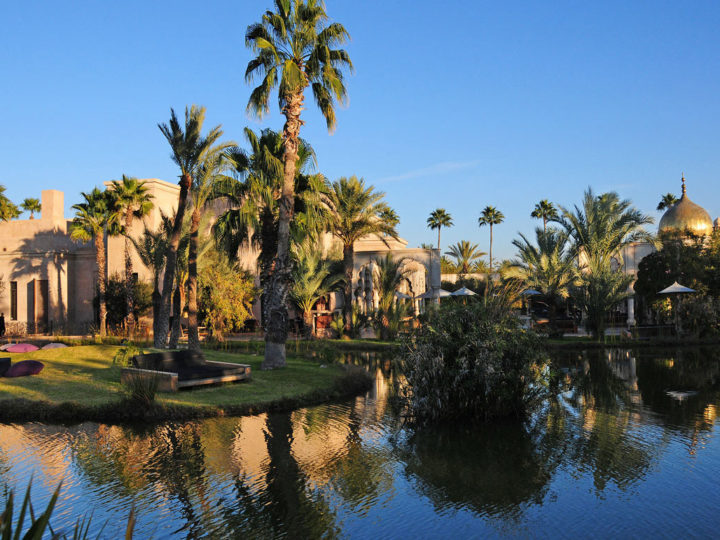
<point>473,362</point>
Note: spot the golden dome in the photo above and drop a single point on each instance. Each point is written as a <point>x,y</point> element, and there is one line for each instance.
<point>686,215</point>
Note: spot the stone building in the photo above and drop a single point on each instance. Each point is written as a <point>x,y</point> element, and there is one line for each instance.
<point>50,281</point>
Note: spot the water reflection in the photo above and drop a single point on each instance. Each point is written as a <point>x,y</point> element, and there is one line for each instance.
<point>354,469</point>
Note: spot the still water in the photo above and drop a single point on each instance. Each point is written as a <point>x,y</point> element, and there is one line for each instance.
<point>628,447</point>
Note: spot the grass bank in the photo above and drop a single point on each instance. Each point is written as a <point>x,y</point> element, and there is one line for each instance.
<point>82,384</point>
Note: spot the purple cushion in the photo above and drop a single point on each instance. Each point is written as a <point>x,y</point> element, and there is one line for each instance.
<point>25,368</point>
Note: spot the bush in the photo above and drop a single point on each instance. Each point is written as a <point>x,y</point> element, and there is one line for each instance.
<point>699,316</point>
<point>473,362</point>
<point>124,354</point>
<point>141,389</point>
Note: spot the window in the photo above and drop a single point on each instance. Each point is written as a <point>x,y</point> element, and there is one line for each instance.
<point>13,300</point>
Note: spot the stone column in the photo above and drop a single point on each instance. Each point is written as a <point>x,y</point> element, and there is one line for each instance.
<point>631,311</point>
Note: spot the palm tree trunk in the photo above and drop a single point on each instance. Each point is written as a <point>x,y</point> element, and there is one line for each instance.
<point>176,329</point>
<point>544,224</point>
<point>100,260</point>
<point>160,339</point>
<point>349,265</point>
<point>439,237</point>
<point>130,317</point>
<point>193,336</point>
<point>308,324</point>
<point>277,293</point>
<point>491,241</point>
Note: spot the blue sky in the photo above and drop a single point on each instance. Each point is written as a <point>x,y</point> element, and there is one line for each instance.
<point>453,104</point>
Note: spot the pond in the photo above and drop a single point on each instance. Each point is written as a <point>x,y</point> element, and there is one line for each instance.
<point>627,447</point>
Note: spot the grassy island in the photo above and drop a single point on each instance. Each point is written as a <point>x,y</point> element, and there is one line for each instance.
<point>82,384</point>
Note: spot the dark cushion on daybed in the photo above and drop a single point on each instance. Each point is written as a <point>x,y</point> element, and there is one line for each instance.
<point>25,368</point>
<point>4,366</point>
<point>187,365</point>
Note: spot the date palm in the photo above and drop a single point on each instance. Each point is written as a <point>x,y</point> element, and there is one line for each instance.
<point>491,216</point>
<point>92,218</point>
<point>547,266</point>
<point>32,206</point>
<point>313,278</point>
<point>355,211</point>
<point>546,211</point>
<point>667,201</point>
<point>132,200</point>
<point>189,149</point>
<point>466,255</point>
<point>438,219</point>
<point>602,226</point>
<point>295,46</point>
<point>388,276</point>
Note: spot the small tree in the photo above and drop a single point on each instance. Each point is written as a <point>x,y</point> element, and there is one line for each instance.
<point>466,256</point>
<point>226,296</point>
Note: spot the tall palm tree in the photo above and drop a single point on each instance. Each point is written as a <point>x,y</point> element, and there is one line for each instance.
<point>438,219</point>
<point>313,278</point>
<point>491,216</point>
<point>91,220</point>
<point>295,49</point>
<point>8,210</point>
<point>547,266</point>
<point>466,255</point>
<point>667,201</point>
<point>546,211</point>
<point>356,211</point>
<point>189,149</point>
<point>32,206</point>
<point>132,200</point>
<point>205,187</point>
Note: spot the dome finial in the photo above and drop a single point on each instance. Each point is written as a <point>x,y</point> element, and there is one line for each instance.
<point>684,190</point>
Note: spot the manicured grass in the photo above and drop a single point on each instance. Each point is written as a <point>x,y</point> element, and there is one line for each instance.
<point>85,377</point>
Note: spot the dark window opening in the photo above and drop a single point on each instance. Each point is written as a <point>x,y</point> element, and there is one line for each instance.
<point>13,300</point>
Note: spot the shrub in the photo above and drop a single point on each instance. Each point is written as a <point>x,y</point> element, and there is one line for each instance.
<point>473,362</point>
<point>699,316</point>
<point>124,354</point>
<point>141,389</point>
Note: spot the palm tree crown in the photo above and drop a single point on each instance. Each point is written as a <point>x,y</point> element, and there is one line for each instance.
<point>296,45</point>
<point>8,210</point>
<point>547,266</point>
<point>491,216</point>
<point>438,219</point>
<point>602,226</point>
<point>667,201</point>
<point>546,211</point>
<point>466,255</point>
<point>32,206</point>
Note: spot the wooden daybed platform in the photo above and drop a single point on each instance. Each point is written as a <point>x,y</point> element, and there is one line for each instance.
<point>183,369</point>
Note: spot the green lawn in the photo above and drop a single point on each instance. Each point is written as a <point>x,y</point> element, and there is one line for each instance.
<point>86,376</point>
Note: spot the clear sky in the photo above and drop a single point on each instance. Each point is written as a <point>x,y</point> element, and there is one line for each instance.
<point>453,104</point>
